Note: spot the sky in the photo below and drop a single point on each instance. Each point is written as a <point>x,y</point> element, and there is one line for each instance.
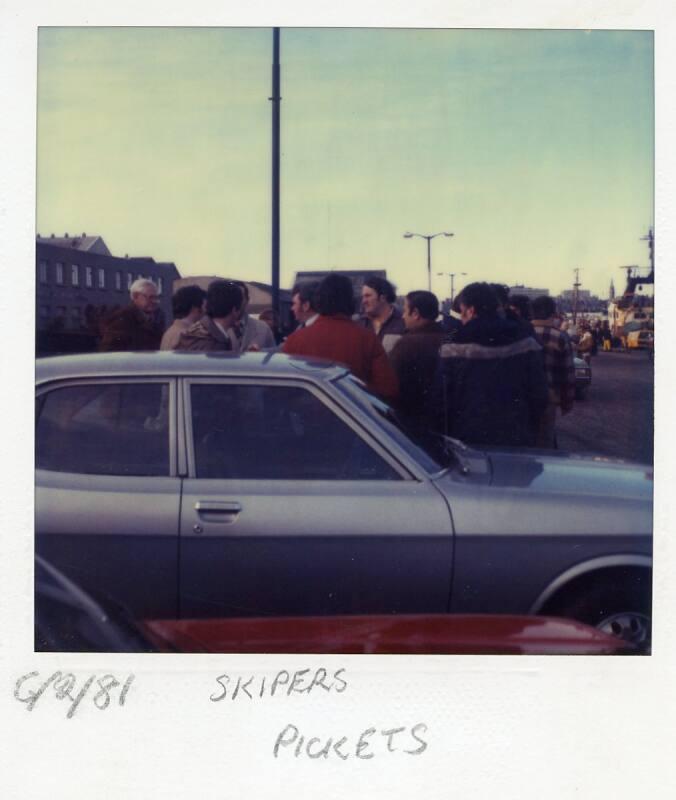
<point>535,148</point>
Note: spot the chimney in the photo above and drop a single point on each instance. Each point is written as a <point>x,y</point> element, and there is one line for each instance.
<point>65,235</point>
<point>84,235</point>
<point>51,236</point>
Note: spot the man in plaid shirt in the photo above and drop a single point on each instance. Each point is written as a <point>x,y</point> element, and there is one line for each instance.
<point>559,366</point>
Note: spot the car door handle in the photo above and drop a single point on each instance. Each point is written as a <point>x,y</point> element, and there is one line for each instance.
<point>215,511</point>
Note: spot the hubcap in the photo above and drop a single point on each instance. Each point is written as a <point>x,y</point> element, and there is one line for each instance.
<point>629,626</point>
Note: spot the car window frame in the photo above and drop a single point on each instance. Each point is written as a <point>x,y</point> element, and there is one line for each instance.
<point>186,452</point>
<point>44,388</point>
<point>345,385</point>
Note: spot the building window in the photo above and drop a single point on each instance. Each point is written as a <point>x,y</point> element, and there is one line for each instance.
<point>76,316</point>
<point>139,276</point>
<point>118,281</point>
<point>158,281</point>
<point>45,312</point>
<point>59,273</point>
<point>102,278</point>
<point>130,280</point>
<point>89,279</point>
<point>43,272</point>
<point>75,274</point>
<point>61,311</point>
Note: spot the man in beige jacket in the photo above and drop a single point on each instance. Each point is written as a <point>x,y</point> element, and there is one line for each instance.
<point>211,333</point>
<point>188,305</point>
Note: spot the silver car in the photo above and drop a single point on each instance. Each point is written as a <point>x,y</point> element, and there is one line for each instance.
<point>185,485</point>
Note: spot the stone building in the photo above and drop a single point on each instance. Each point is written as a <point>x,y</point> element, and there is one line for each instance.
<point>78,281</point>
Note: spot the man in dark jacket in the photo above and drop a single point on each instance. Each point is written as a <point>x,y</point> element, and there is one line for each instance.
<point>494,382</point>
<point>519,310</point>
<point>137,326</point>
<point>415,358</point>
<point>381,315</point>
<point>209,334</point>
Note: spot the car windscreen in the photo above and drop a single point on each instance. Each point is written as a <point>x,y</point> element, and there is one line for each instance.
<point>428,451</point>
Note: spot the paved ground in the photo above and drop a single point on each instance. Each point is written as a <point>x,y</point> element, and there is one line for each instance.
<point>616,419</point>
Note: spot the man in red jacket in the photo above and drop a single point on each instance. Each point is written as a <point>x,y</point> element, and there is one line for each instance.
<point>336,337</point>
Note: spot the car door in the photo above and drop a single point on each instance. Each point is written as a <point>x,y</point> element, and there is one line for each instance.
<point>107,492</point>
<point>291,507</point>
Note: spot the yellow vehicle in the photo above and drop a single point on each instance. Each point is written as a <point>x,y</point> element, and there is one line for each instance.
<point>641,339</point>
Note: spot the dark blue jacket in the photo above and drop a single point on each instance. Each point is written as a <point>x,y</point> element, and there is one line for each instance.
<point>493,383</point>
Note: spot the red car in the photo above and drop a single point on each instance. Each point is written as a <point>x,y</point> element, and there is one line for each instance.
<point>431,634</point>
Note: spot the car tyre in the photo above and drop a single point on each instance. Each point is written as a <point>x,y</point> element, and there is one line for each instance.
<point>623,611</point>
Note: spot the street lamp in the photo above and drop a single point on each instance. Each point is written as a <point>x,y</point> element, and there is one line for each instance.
<point>452,275</point>
<point>429,238</point>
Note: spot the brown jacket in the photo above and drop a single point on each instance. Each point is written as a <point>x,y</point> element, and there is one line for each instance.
<point>130,329</point>
<point>415,358</point>
<point>204,336</point>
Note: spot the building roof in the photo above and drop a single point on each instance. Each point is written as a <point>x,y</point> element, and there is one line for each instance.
<point>94,244</point>
<point>260,294</point>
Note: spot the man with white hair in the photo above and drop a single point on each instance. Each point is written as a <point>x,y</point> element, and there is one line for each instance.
<point>135,327</point>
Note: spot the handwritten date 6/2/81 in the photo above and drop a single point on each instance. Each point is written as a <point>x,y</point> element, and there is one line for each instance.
<point>64,685</point>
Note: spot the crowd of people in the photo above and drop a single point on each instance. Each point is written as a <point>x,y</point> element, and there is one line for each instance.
<point>498,371</point>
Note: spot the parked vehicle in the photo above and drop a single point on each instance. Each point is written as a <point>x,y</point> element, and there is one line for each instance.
<point>201,486</point>
<point>406,634</point>
<point>644,340</point>
<point>583,376</point>
<point>68,620</point>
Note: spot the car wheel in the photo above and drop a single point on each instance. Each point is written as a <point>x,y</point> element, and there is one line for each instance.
<point>624,612</point>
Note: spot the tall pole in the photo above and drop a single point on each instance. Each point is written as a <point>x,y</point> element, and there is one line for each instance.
<point>576,286</point>
<point>452,275</point>
<point>276,113</point>
<point>429,238</point>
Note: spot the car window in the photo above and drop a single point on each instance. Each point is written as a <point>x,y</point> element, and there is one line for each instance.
<point>276,433</point>
<point>425,451</point>
<point>104,429</point>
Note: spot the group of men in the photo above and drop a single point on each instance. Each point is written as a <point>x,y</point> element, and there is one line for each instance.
<point>203,321</point>
<point>498,373</point>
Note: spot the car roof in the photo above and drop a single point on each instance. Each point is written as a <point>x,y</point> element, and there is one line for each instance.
<point>181,363</point>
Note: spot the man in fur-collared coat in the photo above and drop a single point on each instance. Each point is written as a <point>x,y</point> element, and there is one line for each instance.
<point>493,377</point>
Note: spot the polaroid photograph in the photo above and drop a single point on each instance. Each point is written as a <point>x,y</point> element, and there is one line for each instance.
<point>341,344</point>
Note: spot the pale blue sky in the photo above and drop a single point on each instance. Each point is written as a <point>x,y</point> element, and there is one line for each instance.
<point>534,147</point>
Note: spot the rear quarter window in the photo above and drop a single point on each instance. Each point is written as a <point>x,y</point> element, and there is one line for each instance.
<point>104,429</point>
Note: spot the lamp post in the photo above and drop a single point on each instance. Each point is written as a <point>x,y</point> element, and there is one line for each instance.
<point>452,275</point>
<point>429,238</point>
<point>276,100</point>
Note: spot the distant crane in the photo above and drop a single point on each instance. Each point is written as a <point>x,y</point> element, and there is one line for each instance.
<point>650,238</point>
<point>630,268</point>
